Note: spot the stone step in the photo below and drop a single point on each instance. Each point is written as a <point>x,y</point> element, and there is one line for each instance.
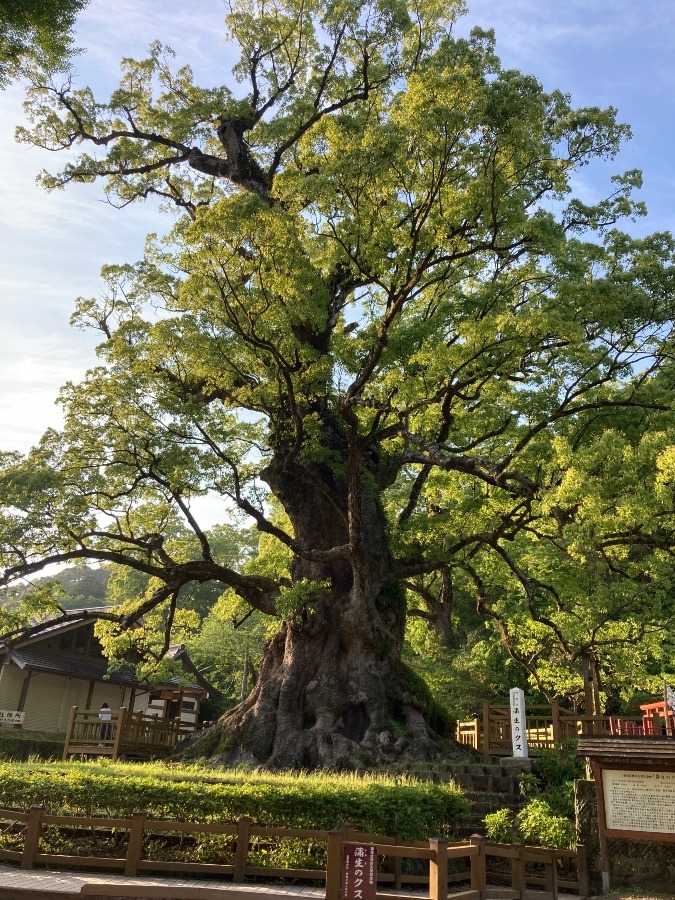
<point>484,803</point>
<point>487,786</point>
<point>488,777</point>
<point>508,785</point>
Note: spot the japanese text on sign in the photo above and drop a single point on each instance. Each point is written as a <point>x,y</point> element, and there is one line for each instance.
<point>11,717</point>
<point>639,801</point>
<point>518,724</point>
<point>359,872</point>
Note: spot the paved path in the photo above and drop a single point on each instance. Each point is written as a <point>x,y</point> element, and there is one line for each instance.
<point>51,884</point>
<point>48,884</point>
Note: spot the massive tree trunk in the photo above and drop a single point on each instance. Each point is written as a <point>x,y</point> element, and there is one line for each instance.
<point>332,691</point>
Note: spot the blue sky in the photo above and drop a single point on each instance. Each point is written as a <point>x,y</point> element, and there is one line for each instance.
<point>603,52</point>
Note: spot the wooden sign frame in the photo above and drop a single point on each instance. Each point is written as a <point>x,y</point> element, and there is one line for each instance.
<point>598,767</point>
<point>653,754</point>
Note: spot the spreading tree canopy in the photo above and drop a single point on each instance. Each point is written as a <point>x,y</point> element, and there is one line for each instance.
<point>380,329</point>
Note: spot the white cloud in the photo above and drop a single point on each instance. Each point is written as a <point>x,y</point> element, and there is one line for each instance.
<point>126,27</point>
<point>33,368</point>
<point>580,45</point>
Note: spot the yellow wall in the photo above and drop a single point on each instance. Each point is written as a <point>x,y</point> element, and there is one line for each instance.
<point>50,697</point>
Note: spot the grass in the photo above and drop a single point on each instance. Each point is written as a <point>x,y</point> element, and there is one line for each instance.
<point>167,771</point>
<point>374,803</point>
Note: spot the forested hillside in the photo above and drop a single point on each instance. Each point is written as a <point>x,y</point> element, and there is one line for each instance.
<point>82,586</point>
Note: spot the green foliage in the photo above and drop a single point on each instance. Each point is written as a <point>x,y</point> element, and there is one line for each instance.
<point>555,775</point>
<point>460,678</point>
<point>554,769</point>
<point>298,599</point>
<point>19,611</point>
<point>38,30</point>
<point>535,825</point>
<point>500,827</point>
<point>539,826</point>
<point>373,803</point>
<point>81,586</point>
<point>547,819</point>
<point>230,632</point>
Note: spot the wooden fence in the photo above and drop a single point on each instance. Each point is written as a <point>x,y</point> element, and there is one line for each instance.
<point>463,869</point>
<point>548,728</point>
<point>127,733</point>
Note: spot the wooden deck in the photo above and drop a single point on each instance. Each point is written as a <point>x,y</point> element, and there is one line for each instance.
<point>127,734</point>
<point>551,728</point>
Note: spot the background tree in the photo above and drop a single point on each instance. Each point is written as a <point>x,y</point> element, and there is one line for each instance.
<point>38,31</point>
<point>228,647</point>
<point>378,305</point>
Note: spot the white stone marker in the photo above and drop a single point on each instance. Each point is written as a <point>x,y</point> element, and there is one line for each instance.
<point>518,727</point>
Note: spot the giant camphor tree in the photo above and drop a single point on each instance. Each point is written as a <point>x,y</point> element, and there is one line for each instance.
<point>381,330</point>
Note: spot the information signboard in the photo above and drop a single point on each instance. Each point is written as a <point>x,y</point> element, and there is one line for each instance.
<point>635,788</point>
<point>640,801</point>
<point>11,717</point>
<point>359,872</point>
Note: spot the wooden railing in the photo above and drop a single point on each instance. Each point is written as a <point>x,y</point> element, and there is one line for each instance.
<point>125,734</point>
<point>526,869</point>
<point>548,728</point>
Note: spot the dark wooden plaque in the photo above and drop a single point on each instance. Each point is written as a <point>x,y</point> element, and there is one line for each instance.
<point>359,872</point>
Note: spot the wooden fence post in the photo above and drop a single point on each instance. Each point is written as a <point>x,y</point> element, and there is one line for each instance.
<point>396,862</point>
<point>241,855</point>
<point>438,869</point>
<point>348,832</point>
<point>478,866</point>
<point>582,870</point>
<point>518,872</point>
<point>555,722</point>
<point>31,841</point>
<point>333,864</point>
<point>551,875</point>
<point>69,732</point>
<point>486,729</point>
<point>121,723</point>
<point>174,734</point>
<point>135,844</point>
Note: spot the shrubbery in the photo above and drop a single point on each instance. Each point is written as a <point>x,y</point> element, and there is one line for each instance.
<point>22,745</point>
<point>535,824</point>
<point>189,793</point>
<point>547,820</point>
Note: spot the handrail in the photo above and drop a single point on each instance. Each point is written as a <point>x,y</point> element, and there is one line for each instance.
<point>125,733</point>
<point>548,728</point>
<point>476,852</point>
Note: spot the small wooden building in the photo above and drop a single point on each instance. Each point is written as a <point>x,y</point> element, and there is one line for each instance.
<point>58,664</point>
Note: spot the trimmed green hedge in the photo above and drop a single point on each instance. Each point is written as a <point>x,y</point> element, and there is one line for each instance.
<point>22,745</point>
<point>190,793</point>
